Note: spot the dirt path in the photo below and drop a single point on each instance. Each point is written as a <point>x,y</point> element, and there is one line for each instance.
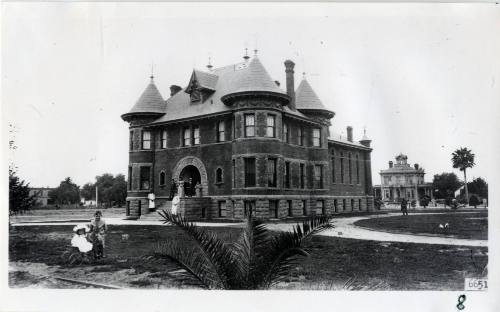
<point>345,228</point>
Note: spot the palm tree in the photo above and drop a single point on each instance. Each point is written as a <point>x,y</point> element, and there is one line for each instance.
<point>257,260</point>
<point>462,159</point>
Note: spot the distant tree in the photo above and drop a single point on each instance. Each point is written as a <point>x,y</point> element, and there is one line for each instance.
<point>479,187</point>
<point>112,190</point>
<point>474,201</point>
<point>462,159</point>
<point>20,200</point>
<point>88,191</point>
<point>445,184</point>
<point>66,193</point>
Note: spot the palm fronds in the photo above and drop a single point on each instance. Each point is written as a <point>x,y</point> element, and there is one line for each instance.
<point>258,259</point>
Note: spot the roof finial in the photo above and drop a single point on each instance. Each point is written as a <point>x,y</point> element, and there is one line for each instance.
<point>152,71</point>
<point>255,52</point>
<point>304,75</point>
<point>209,66</point>
<point>246,57</point>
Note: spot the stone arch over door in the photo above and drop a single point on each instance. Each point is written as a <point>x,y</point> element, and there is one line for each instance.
<point>196,162</point>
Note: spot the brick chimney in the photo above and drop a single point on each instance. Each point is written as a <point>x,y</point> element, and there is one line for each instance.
<point>174,89</point>
<point>290,85</point>
<point>390,164</point>
<point>349,133</point>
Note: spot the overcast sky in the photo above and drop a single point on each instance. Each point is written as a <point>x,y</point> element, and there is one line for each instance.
<point>422,78</point>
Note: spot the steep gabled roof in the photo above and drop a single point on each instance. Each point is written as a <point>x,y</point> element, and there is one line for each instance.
<point>306,98</point>
<point>204,80</point>
<point>150,101</point>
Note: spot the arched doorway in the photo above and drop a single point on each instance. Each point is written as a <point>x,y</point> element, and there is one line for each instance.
<point>192,167</point>
<point>191,176</point>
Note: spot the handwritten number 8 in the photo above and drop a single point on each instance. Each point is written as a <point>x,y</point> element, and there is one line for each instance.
<point>461,300</point>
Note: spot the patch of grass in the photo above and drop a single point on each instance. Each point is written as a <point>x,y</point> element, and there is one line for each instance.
<point>461,225</point>
<point>333,262</point>
<point>401,266</point>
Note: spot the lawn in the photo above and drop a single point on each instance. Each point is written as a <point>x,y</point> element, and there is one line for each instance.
<point>461,225</point>
<point>335,263</point>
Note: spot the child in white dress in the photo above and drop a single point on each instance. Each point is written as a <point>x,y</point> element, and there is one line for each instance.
<point>80,240</point>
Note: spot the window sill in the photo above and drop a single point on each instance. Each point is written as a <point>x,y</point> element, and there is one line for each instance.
<point>219,183</point>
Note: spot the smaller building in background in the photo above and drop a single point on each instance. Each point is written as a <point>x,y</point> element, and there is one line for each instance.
<point>402,181</point>
<point>41,195</point>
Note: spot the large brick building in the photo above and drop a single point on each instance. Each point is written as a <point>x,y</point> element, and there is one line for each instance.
<point>251,147</point>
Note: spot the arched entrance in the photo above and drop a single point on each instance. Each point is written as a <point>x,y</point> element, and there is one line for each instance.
<point>191,177</point>
<point>191,167</point>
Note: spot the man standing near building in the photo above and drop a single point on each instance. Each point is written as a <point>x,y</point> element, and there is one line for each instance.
<point>404,207</point>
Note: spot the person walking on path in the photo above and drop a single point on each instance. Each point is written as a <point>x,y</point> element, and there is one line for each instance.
<point>404,207</point>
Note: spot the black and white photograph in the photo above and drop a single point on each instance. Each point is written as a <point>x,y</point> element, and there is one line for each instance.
<point>298,153</point>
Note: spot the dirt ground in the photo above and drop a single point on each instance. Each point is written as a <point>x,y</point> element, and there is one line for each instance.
<point>334,263</point>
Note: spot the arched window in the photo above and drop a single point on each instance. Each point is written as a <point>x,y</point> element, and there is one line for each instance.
<point>162,178</point>
<point>218,175</point>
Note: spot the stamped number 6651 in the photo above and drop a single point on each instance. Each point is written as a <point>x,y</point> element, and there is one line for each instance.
<point>476,284</point>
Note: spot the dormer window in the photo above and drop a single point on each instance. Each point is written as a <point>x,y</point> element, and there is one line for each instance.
<point>195,96</point>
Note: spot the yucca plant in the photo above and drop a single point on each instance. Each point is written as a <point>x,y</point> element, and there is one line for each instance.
<point>257,260</point>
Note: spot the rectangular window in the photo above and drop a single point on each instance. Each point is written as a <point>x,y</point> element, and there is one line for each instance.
<point>317,137</point>
<point>352,204</point>
<point>334,179</point>
<point>187,137</point>
<point>222,208</point>
<point>359,204</point>
<point>249,208</point>
<point>273,209</point>
<point>164,139</point>
<point>357,168</point>
<point>271,126</point>
<point>290,208</point>
<point>287,174</point>
<point>350,168</point>
<point>249,172</point>
<point>249,125</point>
<point>341,168</point>
<point>146,140</point>
<point>144,178</point>
<point>318,176</point>
<point>320,207</point>
<point>196,135</point>
<point>131,141</point>
<point>127,211</point>
<point>271,172</point>
<point>343,204</point>
<point>285,133</point>
<point>221,131</point>
<point>335,205</point>
<point>129,178</point>
<point>300,136</point>
<point>304,208</point>
<point>234,172</point>
<point>302,176</point>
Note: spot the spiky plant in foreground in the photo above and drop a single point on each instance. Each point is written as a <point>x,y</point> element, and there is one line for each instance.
<point>257,260</point>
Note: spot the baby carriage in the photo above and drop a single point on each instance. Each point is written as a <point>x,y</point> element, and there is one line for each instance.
<point>83,248</point>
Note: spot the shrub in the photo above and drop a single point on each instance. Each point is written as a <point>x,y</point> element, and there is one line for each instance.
<point>474,201</point>
<point>257,260</point>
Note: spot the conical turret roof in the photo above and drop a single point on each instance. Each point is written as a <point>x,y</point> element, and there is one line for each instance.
<point>254,77</point>
<point>306,98</point>
<point>150,101</point>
